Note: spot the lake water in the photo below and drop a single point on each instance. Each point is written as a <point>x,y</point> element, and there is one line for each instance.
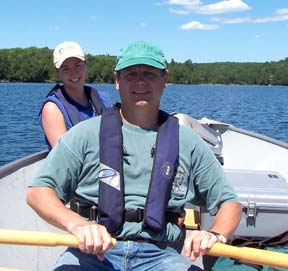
<point>262,109</point>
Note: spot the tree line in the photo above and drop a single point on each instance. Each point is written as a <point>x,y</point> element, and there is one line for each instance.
<point>36,65</point>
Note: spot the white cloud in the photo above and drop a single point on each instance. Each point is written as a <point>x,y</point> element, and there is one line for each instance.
<point>185,7</point>
<point>270,19</point>
<point>93,18</point>
<point>250,20</point>
<point>143,24</point>
<point>184,2</point>
<point>195,6</point>
<point>179,11</point>
<point>179,2</point>
<point>282,11</point>
<point>198,26</point>
<point>231,20</point>
<point>226,6</point>
<point>55,28</point>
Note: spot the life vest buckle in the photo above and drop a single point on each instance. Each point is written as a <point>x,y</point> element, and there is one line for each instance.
<point>86,210</point>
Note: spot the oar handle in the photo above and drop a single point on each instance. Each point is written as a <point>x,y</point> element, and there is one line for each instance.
<point>35,238</point>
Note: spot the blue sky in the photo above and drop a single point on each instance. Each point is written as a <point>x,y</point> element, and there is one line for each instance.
<point>203,31</point>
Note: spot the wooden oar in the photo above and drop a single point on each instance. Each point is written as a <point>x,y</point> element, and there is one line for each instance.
<point>35,238</point>
<point>246,254</point>
<point>251,255</point>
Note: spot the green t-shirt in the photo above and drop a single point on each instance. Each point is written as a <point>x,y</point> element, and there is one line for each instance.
<point>73,166</point>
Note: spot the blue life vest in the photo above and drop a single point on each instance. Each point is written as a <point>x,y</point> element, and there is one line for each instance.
<point>111,180</point>
<point>72,111</point>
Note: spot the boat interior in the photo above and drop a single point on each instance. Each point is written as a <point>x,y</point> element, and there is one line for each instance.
<point>245,156</point>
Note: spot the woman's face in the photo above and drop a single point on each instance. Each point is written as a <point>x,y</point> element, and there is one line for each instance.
<point>73,72</point>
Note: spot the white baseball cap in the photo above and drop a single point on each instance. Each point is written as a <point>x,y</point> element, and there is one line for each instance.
<point>66,50</point>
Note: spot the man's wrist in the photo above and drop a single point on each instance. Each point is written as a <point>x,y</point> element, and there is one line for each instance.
<point>221,238</point>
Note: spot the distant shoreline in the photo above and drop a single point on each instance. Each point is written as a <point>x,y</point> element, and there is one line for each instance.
<point>169,84</point>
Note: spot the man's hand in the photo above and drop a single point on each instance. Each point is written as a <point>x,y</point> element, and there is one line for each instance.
<point>92,238</point>
<point>197,243</point>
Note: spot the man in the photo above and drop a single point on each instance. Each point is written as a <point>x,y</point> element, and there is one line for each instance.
<point>132,170</point>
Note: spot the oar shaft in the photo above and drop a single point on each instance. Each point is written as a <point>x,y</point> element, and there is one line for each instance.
<point>35,238</point>
<point>246,254</point>
<point>251,255</point>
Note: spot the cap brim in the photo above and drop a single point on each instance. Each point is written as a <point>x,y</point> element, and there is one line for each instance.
<point>60,62</point>
<point>139,61</point>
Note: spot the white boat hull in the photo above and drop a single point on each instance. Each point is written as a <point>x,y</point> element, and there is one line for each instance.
<point>241,150</point>
<point>16,214</point>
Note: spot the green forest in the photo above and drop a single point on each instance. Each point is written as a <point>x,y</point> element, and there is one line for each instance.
<point>35,65</point>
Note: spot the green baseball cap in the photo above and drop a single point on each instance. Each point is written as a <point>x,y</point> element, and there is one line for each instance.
<point>141,52</point>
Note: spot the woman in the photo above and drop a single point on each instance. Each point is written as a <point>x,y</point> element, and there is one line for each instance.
<point>72,102</point>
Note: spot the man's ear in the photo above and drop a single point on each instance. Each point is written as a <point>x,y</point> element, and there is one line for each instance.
<point>116,79</point>
<point>166,77</point>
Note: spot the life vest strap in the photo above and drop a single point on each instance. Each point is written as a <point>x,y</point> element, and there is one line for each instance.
<point>111,201</point>
<point>72,111</point>
<point>90,212</point>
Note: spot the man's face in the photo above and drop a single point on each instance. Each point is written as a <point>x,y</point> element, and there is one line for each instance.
<point>141,85</point>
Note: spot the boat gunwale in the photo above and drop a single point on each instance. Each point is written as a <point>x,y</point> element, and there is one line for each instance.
<point>258,136</point>
<point>13,166</point>
<point>10,168</point>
